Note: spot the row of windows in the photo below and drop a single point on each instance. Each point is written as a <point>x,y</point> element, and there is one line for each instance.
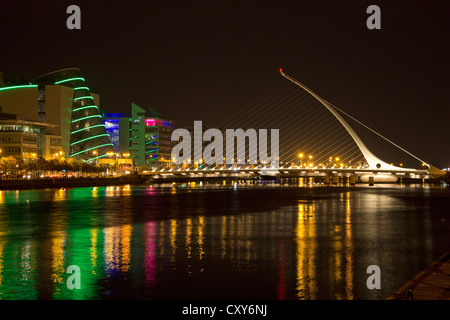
<point>111,124</point>
<point>20,128</point>
<point>115,115</point>
<point>55,142</point>
<point>10,139</point>
<point>29,150</point>
<point>18,150</point>
<point>158,123</point>
<point>11,150</point>
<point>41,94</point>
<point>17,139</point>
<point>30,140</point>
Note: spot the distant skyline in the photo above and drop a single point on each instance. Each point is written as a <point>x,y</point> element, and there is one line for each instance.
<point>205,60</point>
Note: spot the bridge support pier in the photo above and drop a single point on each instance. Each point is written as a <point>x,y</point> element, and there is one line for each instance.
<point>335,180</point>
<point>352,180</point>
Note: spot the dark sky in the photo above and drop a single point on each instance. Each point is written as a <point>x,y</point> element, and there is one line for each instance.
<point>204,60</point>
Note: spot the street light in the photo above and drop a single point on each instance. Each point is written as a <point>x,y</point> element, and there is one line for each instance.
<point>95,156</point>
<point>301,155</point>
<point>109,154</point>
<point>121,165</point>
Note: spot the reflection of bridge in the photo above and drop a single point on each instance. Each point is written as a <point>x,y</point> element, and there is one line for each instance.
<point>372,169</point>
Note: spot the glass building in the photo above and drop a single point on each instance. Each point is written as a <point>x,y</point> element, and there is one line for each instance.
<point>118,127</point>
<point>25,140</point>
<point>145,135</point>
<point>61,98</point>
<point>64,99</point>
<point>88,139</point>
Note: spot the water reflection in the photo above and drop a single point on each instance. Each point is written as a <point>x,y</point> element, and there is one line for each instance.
<point>150,257</point>
<point>348,249</point>
<point>154,242</point>
<point>306,281</point>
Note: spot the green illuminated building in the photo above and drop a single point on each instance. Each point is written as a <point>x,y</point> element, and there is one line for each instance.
<point>144,134</point>
<point>61,98</point>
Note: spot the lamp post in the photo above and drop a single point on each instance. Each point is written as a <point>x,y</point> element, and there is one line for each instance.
<point>301,155</point>
<point>310,158</point>
<point>109,154</point>
<point>126,155</point>
<point>174,160</point>
<point>95,156</point>
<point>116,161</point>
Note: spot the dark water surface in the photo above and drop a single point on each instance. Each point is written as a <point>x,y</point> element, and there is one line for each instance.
<point>189,241</point>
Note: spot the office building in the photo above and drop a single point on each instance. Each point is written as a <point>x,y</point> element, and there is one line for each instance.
<point>145,135</point>
<point>62,99</point>
<point>25,140</point>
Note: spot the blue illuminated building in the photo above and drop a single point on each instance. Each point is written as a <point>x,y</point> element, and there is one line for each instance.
<point>144,135</point>
<point>117,125</point>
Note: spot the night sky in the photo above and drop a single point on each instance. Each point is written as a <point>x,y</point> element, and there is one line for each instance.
<point>205,60</point>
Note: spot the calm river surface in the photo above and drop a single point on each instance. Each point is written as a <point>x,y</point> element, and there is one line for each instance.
<point>213,241</point>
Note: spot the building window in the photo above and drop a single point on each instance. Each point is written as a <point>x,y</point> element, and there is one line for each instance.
<point>55,142</point>
<point>11,150</point>
<point>11,139</point>
<point>30,150</point>
<point>30,140</point>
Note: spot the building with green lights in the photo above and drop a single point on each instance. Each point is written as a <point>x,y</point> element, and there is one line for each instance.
<point>60,98</point>
<point>145,135</point>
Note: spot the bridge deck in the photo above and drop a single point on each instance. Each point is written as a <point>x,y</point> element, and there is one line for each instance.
<point>281,171</point>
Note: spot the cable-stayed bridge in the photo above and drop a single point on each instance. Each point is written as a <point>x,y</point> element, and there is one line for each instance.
<point>316,141</point>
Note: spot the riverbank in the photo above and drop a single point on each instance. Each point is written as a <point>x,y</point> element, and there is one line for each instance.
<point>433,283</point>
<point>46,183</point>
<point>133,179</point>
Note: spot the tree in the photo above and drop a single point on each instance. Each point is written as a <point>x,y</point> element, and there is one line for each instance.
<point>10,166</point>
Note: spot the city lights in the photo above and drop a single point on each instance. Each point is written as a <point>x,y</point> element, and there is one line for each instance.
<point>168,157</point>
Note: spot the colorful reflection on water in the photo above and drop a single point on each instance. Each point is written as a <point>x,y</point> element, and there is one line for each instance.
<point>214,242</point>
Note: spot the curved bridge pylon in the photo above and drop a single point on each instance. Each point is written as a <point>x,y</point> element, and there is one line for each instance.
<point>373,161</point>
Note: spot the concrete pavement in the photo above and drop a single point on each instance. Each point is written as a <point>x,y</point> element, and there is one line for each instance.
<point>433,283</point>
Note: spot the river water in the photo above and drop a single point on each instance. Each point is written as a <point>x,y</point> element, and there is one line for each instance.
<point>215,241</point>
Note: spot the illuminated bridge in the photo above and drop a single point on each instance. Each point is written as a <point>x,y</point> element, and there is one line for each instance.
<point>320,145</point>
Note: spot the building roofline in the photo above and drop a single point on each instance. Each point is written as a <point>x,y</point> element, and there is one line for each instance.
<point>61,70</point>
<point>20,121</point>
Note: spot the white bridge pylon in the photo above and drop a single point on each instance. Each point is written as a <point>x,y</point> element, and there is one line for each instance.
<point>373,161</point>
